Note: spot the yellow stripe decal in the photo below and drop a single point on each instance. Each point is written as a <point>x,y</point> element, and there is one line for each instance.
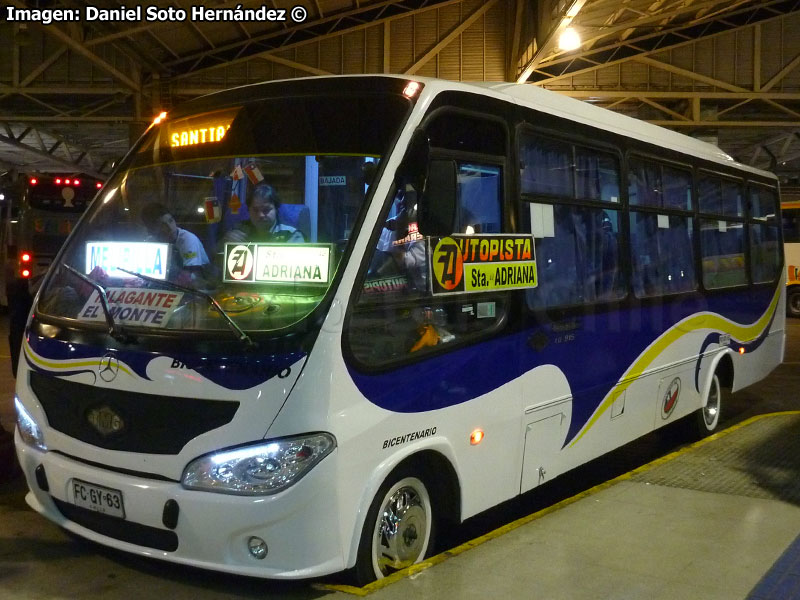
<point>57,366</point>
<point>743,333</point>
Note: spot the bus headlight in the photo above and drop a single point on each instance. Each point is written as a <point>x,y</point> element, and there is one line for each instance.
<point>266,468</point>
<point>29,430</point>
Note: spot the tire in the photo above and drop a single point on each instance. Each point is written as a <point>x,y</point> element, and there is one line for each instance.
<point>793,301</point>
<point>399,529</point>
<point>708,417</point>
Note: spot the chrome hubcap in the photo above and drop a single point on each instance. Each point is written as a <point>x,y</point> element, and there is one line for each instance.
<point>711,409</point>
<point>401,536</point>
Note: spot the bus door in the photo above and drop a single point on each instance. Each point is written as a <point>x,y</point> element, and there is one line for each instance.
<point>432,318</point>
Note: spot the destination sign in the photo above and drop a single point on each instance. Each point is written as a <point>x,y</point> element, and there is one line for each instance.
<point>278,263</point>
<point>146,258</point>
<point>198,130</point>
<point>133,306</point>
<point>481,263</point>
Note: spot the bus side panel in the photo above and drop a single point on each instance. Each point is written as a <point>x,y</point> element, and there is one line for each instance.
<point>372,441</point>
<point>756,359</point>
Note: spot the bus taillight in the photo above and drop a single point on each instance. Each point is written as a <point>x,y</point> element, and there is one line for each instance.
<point>58,180</point>
<point>25,260</point>
<point>33,181</point>
<point>98,185</point>
<point>76,182</point>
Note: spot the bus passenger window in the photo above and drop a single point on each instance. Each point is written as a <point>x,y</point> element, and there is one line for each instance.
<point>546,167</point>
<point>659,186</point>
<point>677,188</point>
<point>765,250</point>
<point>722,245</point>
<point>765,255</point>
<point>722,238</point>
<point>662,254</point>
<point>597,175</point>
<point>763,203</point>
<point>577,255</point>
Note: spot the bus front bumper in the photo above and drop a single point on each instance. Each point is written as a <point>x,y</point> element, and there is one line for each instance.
<point>212,530</point>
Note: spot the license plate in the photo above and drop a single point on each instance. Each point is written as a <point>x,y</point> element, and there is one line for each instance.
<point>98,498</point>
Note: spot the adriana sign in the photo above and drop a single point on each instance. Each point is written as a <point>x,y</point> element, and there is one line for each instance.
<point>481,263</point>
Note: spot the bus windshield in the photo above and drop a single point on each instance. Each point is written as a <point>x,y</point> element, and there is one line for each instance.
<point>251,205</point>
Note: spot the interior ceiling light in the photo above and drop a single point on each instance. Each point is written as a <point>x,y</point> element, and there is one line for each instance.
<point>569,40</point>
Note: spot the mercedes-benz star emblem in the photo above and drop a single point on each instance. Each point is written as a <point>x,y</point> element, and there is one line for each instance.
<point>109,367</point>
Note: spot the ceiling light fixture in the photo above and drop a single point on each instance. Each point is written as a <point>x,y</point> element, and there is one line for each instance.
<point>569,40</point>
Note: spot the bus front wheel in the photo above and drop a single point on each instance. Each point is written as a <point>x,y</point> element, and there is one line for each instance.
<point>708,417</point>
<point>398,531</point>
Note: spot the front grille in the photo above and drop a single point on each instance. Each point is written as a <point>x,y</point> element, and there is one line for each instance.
<point>119,529</point>
<point>149,424</point>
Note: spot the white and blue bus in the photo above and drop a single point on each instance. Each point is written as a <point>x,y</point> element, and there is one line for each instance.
<point>461,292</point>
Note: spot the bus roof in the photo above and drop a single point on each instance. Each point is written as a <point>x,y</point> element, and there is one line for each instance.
<point>576,110</point>
<point>537,98</point>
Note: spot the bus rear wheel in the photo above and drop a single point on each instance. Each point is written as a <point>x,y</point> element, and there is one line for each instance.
<point>399,529</point>
<point>793,301</point>
<point>707,419</point>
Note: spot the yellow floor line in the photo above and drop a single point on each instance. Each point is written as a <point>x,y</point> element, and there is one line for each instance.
<point>439,558</point>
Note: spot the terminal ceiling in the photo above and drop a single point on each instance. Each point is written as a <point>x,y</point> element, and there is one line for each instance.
<point>73,96</point>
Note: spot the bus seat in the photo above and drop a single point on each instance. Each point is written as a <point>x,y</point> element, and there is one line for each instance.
<point>298,216</point>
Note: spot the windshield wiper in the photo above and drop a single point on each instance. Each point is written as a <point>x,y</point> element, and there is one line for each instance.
<point>243,337</point>
<point>114,330</point>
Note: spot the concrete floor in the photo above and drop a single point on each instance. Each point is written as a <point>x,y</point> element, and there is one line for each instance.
<point>635,537</point>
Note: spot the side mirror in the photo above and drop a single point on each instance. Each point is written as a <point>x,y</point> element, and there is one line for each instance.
<point>436,212</point>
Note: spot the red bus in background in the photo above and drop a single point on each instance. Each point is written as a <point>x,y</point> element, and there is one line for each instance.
<point>38,212</point>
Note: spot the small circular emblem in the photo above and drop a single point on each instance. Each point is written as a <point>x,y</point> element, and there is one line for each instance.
<point>109,367</point>
<point>240,262</point>
<point>671,398</point>
<point>448,268</point>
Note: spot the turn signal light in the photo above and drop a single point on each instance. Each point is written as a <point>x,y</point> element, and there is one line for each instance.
<point>476,437</point>
<point>411,89</point>
<point>741,350</point>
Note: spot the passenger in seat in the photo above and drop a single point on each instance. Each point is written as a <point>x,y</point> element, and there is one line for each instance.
<point>189,258</point>
<point>264,224</point>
